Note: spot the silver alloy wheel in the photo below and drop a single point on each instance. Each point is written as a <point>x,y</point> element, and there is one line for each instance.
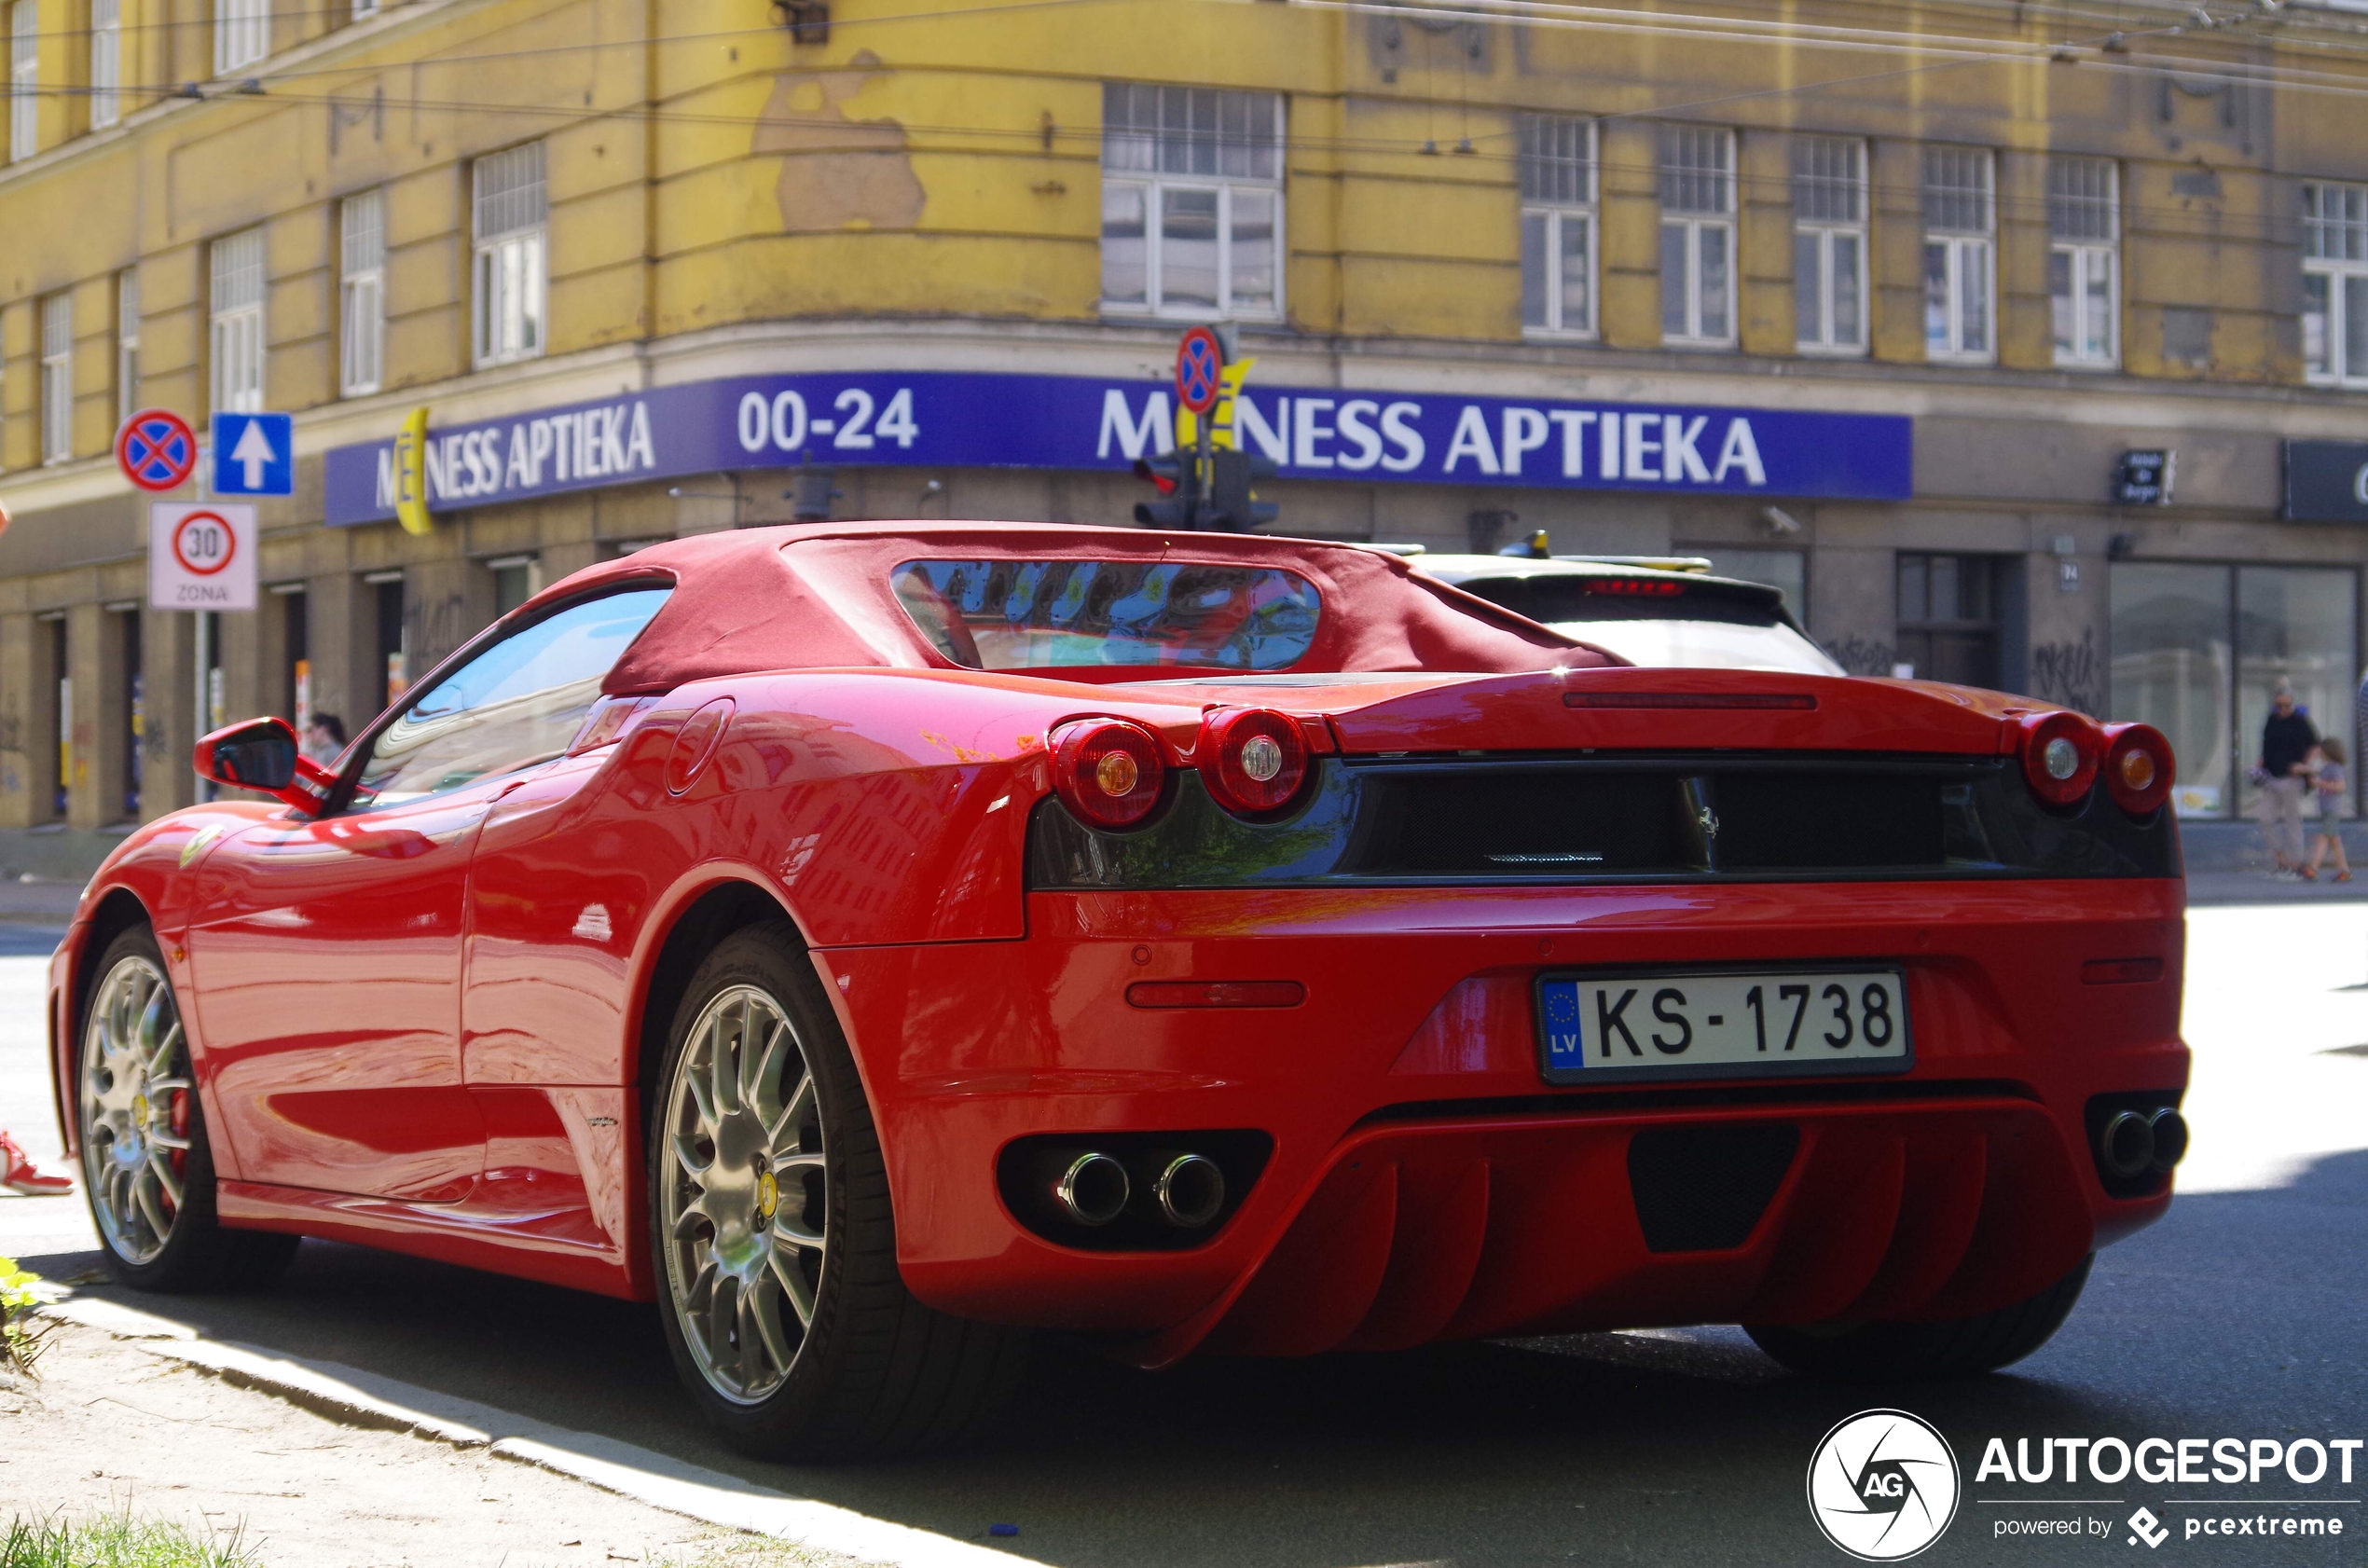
<point>135,1109</point>
<point>743,1200</point>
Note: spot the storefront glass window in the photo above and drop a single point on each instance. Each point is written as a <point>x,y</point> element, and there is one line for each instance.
<point>2196,650</point>
<point>2295,623</point>
<point>2170,669</point>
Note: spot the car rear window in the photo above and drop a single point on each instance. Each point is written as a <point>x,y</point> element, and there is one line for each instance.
<point>1576,597</point>
<point>1050,614</point>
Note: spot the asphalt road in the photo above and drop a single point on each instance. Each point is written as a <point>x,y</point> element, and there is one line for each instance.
<point>2241,1315</point>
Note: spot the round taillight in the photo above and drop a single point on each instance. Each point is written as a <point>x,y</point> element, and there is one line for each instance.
<point>2138,767</point>
<point>1108,772</point>
<point>2061,755</point>
<point>1252,760</point>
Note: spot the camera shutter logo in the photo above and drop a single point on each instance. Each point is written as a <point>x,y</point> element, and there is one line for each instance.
<point>1883,1485</point>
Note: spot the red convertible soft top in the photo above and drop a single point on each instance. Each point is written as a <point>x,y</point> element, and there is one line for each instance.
<point>819,596</point>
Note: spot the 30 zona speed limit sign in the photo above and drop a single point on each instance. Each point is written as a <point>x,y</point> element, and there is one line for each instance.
<point>201,557</point>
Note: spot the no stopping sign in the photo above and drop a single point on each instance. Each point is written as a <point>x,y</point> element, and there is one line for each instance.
<point>201,557</point>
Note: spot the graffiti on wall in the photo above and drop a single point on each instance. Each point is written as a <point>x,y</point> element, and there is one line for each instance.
<point>2070,673</point>
<point>1861,656</point>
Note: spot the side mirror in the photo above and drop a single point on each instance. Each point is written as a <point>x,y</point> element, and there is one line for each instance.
<point>261,755</point>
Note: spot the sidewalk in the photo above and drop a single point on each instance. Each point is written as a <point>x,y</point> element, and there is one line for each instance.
<point>2259,886</point>
<point>110,1426</point>
<point>31,900</point>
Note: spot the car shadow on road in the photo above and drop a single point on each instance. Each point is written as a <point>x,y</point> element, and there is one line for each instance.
<point>1666,1443</point>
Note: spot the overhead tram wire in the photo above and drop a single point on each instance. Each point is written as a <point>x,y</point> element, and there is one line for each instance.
<point>225,88</point>
<point>773,30</point>
<point>1406,149</point>
<point>2189,69</point>
<point>1557,14</point>
<point>2188,72</point>
<point>1553,13</point>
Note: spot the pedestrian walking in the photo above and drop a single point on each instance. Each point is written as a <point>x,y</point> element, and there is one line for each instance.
<point>325,739</point>
<point>2286,742</point>
<point>2327,782</point>
<point>19,1174</point>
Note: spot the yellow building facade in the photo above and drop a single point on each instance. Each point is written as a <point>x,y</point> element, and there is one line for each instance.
<point>2014,243</point>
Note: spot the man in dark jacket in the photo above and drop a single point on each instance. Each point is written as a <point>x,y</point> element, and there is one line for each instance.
<point>2286,741</point>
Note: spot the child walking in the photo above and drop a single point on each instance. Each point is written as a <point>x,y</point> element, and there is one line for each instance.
<point>2327,782</point>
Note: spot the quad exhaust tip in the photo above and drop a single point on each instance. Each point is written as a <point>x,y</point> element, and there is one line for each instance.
<point>2133,1143</point>
<point>1093,1189</point>
<point>1191,1190</point>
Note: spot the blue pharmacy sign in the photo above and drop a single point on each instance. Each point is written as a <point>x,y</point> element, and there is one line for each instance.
<point>951,419</point>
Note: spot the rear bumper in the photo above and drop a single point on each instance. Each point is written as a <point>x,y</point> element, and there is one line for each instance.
<point>1426,1183</point>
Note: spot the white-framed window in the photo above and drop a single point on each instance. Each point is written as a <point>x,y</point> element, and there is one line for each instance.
<point>1191,201</point>
<point>365,8</point>
<point>106,62</point>
<point>361,253</point>
<point>236,337</point>
<point>1960,276</point>
<point>512,214</point>
<point>1557,225</point>
<point>1829,244</point>
<point>241,34</point>
<point>2334,282</point>
<point>24,79</point>
<point>1698,235</point>
<point>57,378</point>
<point>127,343</point>
<point>2083,260</point>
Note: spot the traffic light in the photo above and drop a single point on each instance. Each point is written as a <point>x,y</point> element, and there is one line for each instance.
<point>1173,475</point>
<point>1164,471</point>
<point>1228,501</point>
<point>1232,503</point>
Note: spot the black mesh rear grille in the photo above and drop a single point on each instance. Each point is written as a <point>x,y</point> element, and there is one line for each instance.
<point>1475,822</point>
<point>1775,820</point>
<point>1828,820</point>
<point>1466,819</point>
<point>1702,1189</point>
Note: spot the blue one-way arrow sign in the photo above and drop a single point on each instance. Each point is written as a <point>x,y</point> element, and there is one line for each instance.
<point>254,454</point>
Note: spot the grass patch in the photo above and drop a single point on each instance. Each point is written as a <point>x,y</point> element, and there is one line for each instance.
<point>117,1541</point>
<point>737,1550</point>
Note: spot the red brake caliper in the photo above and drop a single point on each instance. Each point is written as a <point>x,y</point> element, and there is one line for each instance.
<point>180,1130</point>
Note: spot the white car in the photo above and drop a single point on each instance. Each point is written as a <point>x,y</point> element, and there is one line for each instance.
<point>1652,612</point>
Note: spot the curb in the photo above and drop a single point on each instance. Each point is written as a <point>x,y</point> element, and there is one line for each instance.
<point>352,1398</point>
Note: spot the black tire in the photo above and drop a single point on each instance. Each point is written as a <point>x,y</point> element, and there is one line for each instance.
<point>1963,1347</point>
<point>874,1371</point>
<point>198,1253</point>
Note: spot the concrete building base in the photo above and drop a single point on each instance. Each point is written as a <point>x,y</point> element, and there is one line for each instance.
<point>56,853</point>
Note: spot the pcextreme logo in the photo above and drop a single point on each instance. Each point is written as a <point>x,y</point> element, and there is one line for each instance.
<point>1883,1485</point>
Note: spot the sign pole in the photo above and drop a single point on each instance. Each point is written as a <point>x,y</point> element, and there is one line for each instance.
<point>203,643</point>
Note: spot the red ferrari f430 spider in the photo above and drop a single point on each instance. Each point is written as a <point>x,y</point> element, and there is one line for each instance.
<point>872,941</point>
